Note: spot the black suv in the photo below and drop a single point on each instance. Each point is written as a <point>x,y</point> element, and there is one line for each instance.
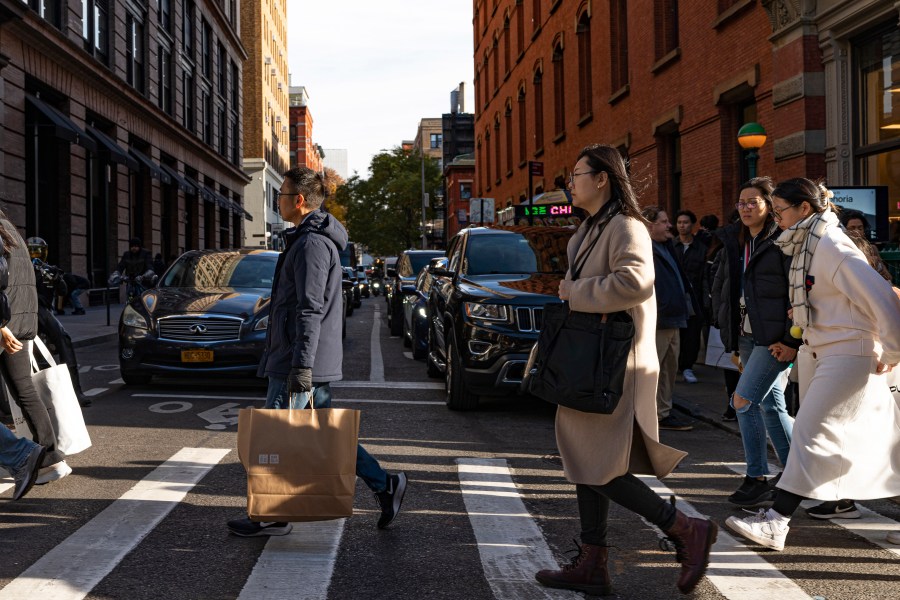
<point>486,307</point>
<point>409,263</point>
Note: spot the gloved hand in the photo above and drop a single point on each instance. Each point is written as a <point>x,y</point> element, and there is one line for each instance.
<point>299,380</point>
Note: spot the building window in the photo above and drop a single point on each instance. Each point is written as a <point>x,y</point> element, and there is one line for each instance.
<point>618,43</point>
<point>164,89</point>
<point>559,91</point>
<point>495,51</point>
<point>223,70</point>
<point>134,52</point>
<point>187,89</point>
<point>487,159</point>
<point>235,87</point>
<point>95,28</point>
<point>206,48</point>
<point>437,140</point>
<point>538,111</point>
<point>165,15</point>
<point>208,118</point>
<point>507,123</point>
<point>497,148</point>
<point>506,44</point>
<point>665,22</point>
<point>187,28</point>
<point>520,27</point>
<point>223,133</point>
<point>49,10</point>
<point>669,148</point>
<point>235,142</point>
<point>477,87</point>
<point>523,146</point>
<point>585,93</point>
<point>535,15</point>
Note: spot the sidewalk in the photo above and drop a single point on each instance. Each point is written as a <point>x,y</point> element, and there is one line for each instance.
<point>91,328</point>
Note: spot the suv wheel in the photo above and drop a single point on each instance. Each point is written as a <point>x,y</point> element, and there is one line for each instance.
<point>433,371</point>
<point>417,351</point>
<point>405,334</point>
<point>395,320</point>
<point>458,397</point>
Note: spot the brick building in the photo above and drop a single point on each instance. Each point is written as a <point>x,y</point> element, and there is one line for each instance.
<point>121,121</point>
<point>459,174</point>
<point>266,151</point>
<point>304,151</point>
<point>670,83</point>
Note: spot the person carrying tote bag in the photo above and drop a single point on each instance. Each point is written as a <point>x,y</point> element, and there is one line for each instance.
<point>601,453</point>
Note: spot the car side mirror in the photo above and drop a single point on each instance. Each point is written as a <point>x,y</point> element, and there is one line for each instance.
<point>442,272</point>
<point>392,272</point>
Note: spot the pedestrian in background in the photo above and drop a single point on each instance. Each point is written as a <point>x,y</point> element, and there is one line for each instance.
<point>601,453</point>
<point>673,308</point>
<point>708,224</point>
<point>691,255</point>
<point>750,301</point>
<point>847,432</point>
<point>304,347</point>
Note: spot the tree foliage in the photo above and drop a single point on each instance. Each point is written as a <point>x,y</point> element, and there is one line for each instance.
<point>333,182</point>
<point>384,211</point>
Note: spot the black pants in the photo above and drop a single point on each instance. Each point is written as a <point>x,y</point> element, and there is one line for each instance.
<point>786,503</point>
<point>627,491</point>
<point>17,374</point>
<point>690,343</point>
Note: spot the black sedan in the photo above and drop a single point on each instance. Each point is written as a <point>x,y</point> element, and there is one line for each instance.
<point>208,314</point>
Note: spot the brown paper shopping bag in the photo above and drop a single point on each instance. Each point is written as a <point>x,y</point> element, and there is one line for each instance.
<point>301,464</point>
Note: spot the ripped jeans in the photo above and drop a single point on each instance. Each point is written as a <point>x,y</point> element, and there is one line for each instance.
<point>762,384</point>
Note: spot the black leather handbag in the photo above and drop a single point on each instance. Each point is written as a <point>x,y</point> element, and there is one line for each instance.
<point>580,358</point>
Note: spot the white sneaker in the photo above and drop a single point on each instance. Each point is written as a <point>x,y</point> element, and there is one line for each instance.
<point>53,472</point>
<point>761,529</point>
<point>688,375</point>
<point>893,537</point>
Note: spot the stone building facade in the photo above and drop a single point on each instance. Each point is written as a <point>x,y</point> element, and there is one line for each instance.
<point>121,119</point>
<point>305,151</point>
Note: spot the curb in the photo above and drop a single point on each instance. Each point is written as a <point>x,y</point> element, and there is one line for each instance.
<point>94,340</point>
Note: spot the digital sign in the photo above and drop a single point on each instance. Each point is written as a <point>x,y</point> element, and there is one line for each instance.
<point>871,201</point>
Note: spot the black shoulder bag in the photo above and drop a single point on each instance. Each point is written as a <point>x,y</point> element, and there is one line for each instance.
<point>580,358</point>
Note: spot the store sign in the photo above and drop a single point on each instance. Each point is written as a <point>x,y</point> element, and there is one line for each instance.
<point>544,210</point>
<point>871,201</point>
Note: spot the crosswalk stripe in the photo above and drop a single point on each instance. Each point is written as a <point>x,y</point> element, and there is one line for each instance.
<point>736,570</point>
<point>376,362</point>
<point>258,399</point>
<point>871,526</point>
<point>118,381</point>
<point>95,391</point>
<point>390,385</point>
<point>298,565</point>
<point>511,547</point>
<point>74,567</point>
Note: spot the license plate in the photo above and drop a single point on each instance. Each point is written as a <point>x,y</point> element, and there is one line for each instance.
<point>196,356</point>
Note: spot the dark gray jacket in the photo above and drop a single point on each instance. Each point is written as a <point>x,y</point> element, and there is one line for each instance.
<point>305,319</point>
<point>672,289</point>
<point>21,292</point>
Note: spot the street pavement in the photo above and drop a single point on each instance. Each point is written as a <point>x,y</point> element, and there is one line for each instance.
<point>142,515</point>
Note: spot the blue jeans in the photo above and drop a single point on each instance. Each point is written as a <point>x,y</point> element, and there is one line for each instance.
<point>13,451</point>
<point>367,468</point>
<point>75,297</point>
<point>762,385</point>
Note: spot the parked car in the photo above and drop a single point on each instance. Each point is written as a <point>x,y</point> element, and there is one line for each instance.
<point>415,310</point>
<point>390,271</point>
<point>486,306</point>
<point>208,314</point>
<point>409,263</point>
<point>348,285</point>
<point>356,293</point>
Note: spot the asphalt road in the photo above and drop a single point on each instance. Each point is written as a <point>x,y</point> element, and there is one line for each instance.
<point>487,504</point>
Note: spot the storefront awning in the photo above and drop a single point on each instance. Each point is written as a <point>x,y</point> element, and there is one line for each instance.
<point>114,151</point>
<point>185,186</point>
<point>60,125</point>
<point>155,171</point>
<point>195,185</point>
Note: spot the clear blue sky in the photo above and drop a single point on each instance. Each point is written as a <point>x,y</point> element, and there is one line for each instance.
<point>373,69</point>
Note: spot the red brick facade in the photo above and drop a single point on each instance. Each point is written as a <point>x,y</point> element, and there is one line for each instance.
<point>669,89</point>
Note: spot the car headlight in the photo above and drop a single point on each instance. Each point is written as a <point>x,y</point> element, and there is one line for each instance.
<point>132,318</point>
<point>422,312</point>
<point>488,312</point>
<point>262,324</point>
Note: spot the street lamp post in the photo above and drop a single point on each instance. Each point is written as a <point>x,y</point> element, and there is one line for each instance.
<point>751,137</point>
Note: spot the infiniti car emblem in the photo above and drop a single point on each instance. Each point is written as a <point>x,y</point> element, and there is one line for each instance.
<point>198,328</point>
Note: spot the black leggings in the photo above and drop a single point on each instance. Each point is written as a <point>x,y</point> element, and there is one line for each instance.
<point>17,373</point>
<point>627,491</point>
<point>786,502</point>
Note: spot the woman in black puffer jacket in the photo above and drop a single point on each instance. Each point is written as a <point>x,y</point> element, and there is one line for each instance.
<point>750,303</point>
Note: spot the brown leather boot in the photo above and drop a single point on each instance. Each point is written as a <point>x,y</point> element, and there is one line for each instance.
<point>587,573</point>
<point>693,539</point>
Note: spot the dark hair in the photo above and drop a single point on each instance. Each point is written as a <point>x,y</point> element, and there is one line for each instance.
<point>560,182</point>
<point>870,252</point>
<point>849,215</point>
<point>799,190</point>
<point>605,158</point>
<point>135,241</point>
<point>309,183</point>
<point>764,186</point>
<point>686,213</point>
<point>709,222</point>
<point>651,213</point>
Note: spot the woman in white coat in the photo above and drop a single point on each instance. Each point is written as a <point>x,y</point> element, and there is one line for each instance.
<point>601,453</point>
<point>846,441</point>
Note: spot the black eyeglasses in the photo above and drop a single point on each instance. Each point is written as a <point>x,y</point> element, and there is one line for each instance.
<point>286,194</point>
<point>776,212</point>
<point>573,175</point>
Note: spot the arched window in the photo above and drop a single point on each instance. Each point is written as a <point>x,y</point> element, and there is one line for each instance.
<point>523,146</point>
<point>509,137</point>
<point>497,147</point>
<point>618,44</point>
<point>538,111</point>
<point>520,27</point>
<point>495,50</point>
<point>487,159</point>
<point>559,90</point>
<point>585,92</point>
<point>506,34</point>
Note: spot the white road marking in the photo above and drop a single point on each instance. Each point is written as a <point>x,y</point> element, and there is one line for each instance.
<point>299,565</point>
<point>95,391</point>
<point>170,407</point>
<point>408,355</point>
<point>736,570</point>
<point>390,385</point>
<point>511,546</point>
<point>72,569</point>
<point>871,526</point>
<point>119,381</point>
<point>221,416</point>
<point>107,368</point>
<point>185,406</point>
<point>376,368</point>
<point>362,401</point>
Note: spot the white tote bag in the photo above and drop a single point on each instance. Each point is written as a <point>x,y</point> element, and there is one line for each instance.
<point>54,387</point>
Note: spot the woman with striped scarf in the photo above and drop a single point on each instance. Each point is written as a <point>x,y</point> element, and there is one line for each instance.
<point>846,438</point>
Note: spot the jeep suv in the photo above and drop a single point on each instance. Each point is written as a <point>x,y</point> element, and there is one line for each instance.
<point>486,307</point>
<point>409,263</point>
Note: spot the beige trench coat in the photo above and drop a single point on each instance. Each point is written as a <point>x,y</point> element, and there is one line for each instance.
<point>618,275</point>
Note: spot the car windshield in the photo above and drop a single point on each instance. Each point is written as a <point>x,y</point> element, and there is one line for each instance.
<point>419,259</point>
<point>221,269</point>
<point>514,253</point>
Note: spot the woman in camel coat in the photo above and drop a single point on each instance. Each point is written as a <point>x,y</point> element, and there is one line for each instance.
<point>601,453</point>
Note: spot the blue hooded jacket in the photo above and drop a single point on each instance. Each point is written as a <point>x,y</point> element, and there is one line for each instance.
<point>305,319</point>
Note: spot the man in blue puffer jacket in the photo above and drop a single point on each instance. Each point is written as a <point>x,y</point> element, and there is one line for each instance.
<point>304,347</point>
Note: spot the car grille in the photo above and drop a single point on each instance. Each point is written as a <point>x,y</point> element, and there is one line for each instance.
<point>529,318</point>
<point>194,329</point>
